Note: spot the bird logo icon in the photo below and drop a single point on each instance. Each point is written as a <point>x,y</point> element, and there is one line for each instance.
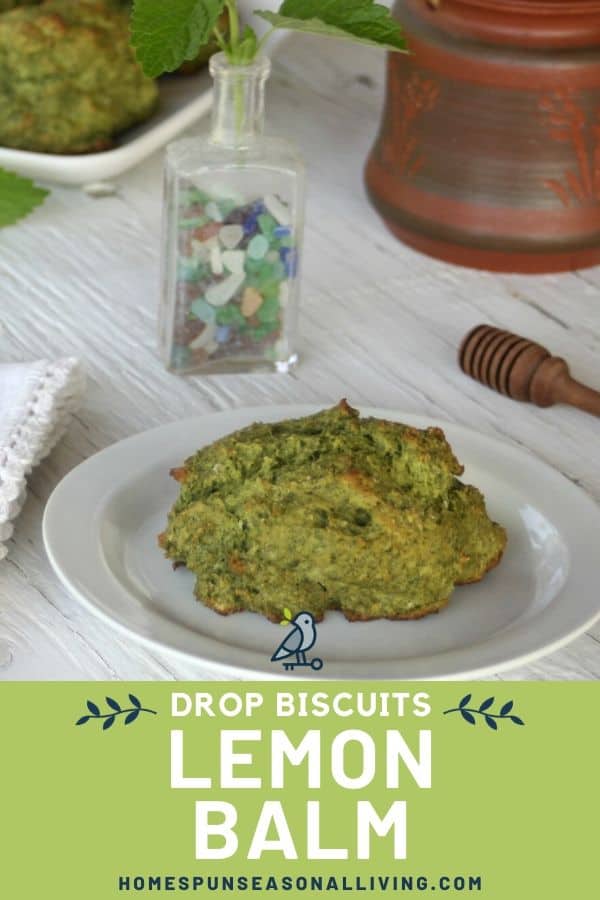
<point>297,642</point>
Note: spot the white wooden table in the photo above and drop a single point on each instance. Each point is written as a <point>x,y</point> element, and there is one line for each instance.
<point>380,326</point>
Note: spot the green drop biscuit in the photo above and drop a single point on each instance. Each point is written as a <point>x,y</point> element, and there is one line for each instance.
<point>332,511</point>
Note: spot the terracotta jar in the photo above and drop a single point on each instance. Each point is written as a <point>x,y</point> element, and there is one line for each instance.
<point>489,149</point>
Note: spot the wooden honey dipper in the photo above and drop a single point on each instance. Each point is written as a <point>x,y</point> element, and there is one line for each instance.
<point>523,370</point>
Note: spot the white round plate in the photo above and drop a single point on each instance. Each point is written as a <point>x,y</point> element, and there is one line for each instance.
<point>101,523</point>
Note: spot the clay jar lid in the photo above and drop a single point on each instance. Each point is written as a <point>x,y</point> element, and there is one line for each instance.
<point>535,24</point>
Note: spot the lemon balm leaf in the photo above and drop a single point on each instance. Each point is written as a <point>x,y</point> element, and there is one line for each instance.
<point>248,45</point>
<point>360,20</point>
<point>18,197</point>
<point>165,35</point>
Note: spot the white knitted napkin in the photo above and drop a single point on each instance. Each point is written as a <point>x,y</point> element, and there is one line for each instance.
<point>36,403</point>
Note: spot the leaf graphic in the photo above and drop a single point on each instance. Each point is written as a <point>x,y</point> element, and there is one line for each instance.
<point>93,708</point>
<point>491,720</point>
<point>135,701</point>
<point>287,614</point>
<point>132,716</point>
<point>108,723</point>
<point>82,720</point>
<point>113,704</point>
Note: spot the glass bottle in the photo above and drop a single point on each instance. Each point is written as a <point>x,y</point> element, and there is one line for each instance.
<point>232,234</point>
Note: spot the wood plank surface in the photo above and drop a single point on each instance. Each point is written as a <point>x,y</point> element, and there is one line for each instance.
<point>380,326</point>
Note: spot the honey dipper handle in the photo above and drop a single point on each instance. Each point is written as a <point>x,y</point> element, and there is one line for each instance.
<point>582,397</point>
<point>552,383</point>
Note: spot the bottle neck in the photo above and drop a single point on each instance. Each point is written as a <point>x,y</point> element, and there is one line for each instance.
<point>238,113</point>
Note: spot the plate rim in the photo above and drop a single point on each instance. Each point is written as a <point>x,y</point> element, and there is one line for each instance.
<point>247,669</point>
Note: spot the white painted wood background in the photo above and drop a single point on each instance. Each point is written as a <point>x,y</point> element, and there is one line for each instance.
<point>380,326</point>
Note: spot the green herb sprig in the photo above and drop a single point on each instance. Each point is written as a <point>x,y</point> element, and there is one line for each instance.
<point>166,38</point>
